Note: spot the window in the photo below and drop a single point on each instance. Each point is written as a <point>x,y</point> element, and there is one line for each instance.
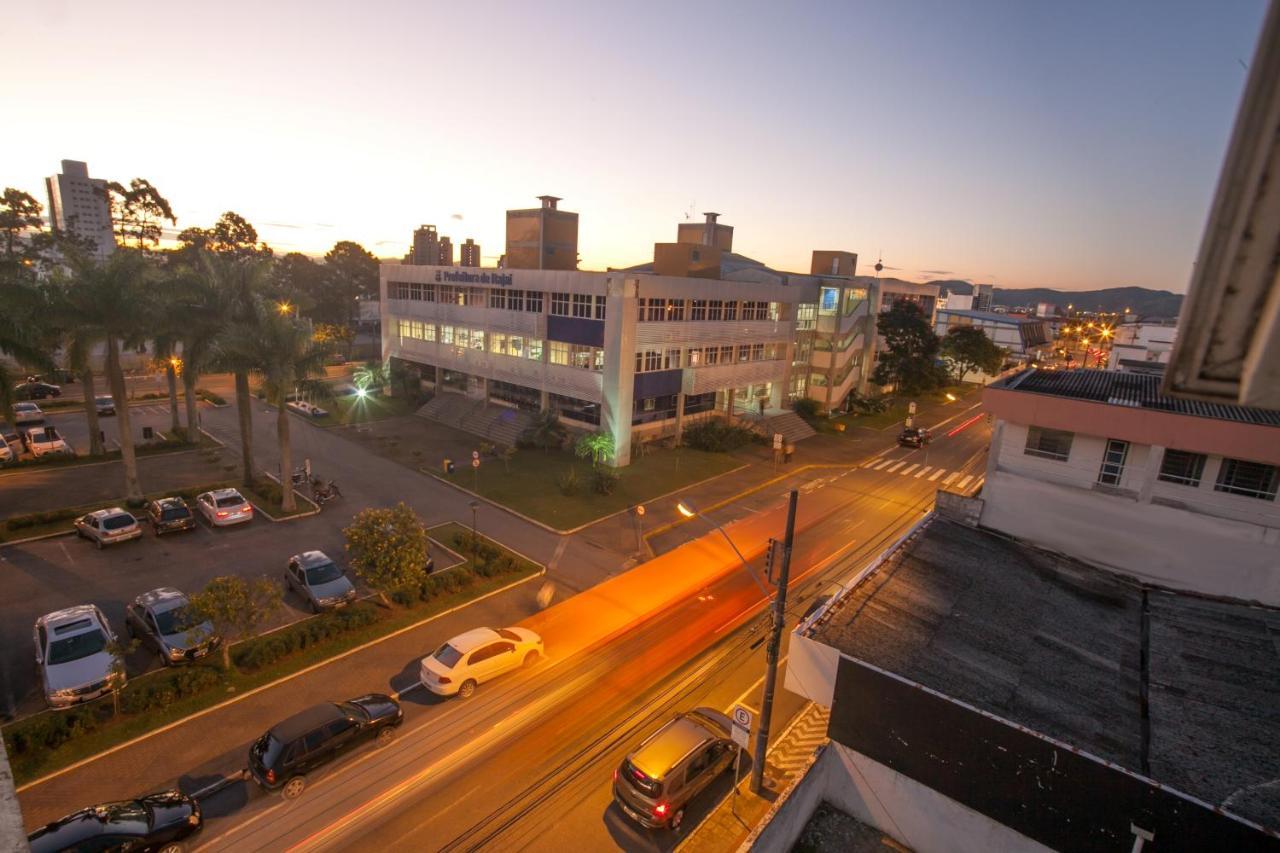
<point>475,296</point>
<point>497,299</point>
<point>582,305</point>
<point>498,343</point>
<point>415,291</point>
<point>828,301</point>
<point>671,359</point>
<point>398,290</point>
<point>600,310</point>
<point>583,357</point>
<point>559,352</point>
<point>515,300</point>
<point>698,309</point>
<point>1182,467</point>
<point>694,358</point>
<point>1251,479</point>
<point>757,352</point>
<point>446,334</point>
<point>447,293</point>
<point>731,311</point>
<point>1049,443</point>
<point>533,301</point>
<point>711,355</point>
<point>715,309</point>
<point>560,304</point>
<point>1113,462</point>
<point>533,349</point>
<point>675,310</point>
<point>428,293</point>
<point>648,360</point>
<point>806,315</point>
<point>726,354</point>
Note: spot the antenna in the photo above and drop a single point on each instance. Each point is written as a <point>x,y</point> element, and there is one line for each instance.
<point>879,263</point>
<point>688,211</point>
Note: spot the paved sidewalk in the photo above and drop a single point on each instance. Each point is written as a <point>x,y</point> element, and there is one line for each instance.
<point>726,828</point>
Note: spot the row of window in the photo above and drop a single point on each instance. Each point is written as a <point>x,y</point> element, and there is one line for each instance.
<point>664,310</point>
<point>1182,467</point>
<point>648,361</point>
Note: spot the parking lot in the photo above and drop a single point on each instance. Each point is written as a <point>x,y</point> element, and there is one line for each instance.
<point>74,428</point>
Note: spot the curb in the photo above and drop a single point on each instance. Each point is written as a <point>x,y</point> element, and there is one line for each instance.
<point>519,554</point>
<point>78,465</point>
<point>120,746</point>
<point>39,538</point>
<point>492,503</point>
<point>296,515</point>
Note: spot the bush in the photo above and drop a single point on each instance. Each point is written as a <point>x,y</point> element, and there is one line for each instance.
<point>206,394</point>
<point>855,402</point>
<point>715,436</point>
<point>51,730</point>
<point>568,482</point>
<point>265,650</point>
<point>604,481</point>
<point>35,519</point>
<point>806,407</point>
<point>164,689</point>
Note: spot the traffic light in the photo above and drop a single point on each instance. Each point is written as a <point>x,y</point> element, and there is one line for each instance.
<point>768,559</point>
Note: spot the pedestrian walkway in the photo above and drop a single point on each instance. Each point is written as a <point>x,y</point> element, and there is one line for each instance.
<point>734,819</point>
<point>955,480</point>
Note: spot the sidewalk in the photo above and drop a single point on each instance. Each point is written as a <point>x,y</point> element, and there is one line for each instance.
<point>734,819</point>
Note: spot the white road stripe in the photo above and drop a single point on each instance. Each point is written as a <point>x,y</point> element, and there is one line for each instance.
<point>897,466</point>
<point>937,474</point>
<point>906,471</point>
<point>884,464</point>
<point>950,477</point>
<point>961,485</point>
<point>925,470</point>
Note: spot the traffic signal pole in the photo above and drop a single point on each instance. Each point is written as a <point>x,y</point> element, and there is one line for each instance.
<point>775,643</point>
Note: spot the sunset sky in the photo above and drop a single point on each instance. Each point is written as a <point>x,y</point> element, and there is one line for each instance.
<point>1070,145</point>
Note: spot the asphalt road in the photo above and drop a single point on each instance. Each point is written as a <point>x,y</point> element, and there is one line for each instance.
<point>526,764</point>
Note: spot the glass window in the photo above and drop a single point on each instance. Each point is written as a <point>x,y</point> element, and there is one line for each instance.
<point>1182,467</point>
<point>560,304</point>
<point>428,293</point>
<point>533,350</point>
<point>497,299</point>
<point>711,355</point>
<point>1113,462</point>
<point>652,360</point>
<point>446,334</point>
<point>675,310</point>
<point>731,311</point>
<point>726,354</point>
<point>415,291</point>
<point>403,328</point>
<point>515,300</point>
<point>448,293</point>
<point>698,309</point>
<point>694,358</point>
<point>1251,479</point>
<point>757,352</point>
<point>448,656</point>
<point>559,352</point>
<point>498,343</point>
<point>582,305</point>
<point>829,301</point>
<point>1049,443</point>
<point>671,359</point>
<point>600,309</point>
<point>715,309</point>
<point>744,352</point>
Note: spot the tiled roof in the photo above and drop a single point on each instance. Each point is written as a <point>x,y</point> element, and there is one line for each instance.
<point>1011,319</point>
<point>1136,390</point>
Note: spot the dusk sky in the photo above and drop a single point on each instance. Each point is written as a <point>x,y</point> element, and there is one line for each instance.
<point>1070,145</point>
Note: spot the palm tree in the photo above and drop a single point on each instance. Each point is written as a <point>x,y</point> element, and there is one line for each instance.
<point>113,299</point>
<point>20,326</point>
<point>80,341</point>
<point>284,352</point>
<point>546,430</point>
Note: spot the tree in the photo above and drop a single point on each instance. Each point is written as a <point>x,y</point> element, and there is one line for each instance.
<point>298,281</point>
<point>350,272</point>
<point>19,213</point>
<point>22,332</point>
<point>371,374</point>
<point>546,431</point>
<point>596,446</point>
<point>909,359</point>
<point>232,234</point>
<point>235,607</point>
<point>967,348</point>
<point>136,213</point>
<point>336,337</point>
<point>387,549</point>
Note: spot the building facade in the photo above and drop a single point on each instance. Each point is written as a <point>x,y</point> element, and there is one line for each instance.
<point>1021,336</point>
<point>469,254</point>
<point>638,352</point>
<point>78,206</point>
<point>542,238</point>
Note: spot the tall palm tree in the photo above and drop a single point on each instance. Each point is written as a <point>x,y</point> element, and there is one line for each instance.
<point>113,298</point>
<point>204,308</point>
<point>284,353</point>
<point>237,280</point>
<point>80,342</point>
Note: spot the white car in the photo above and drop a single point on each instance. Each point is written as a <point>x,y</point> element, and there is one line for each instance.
<point>47,442</point>
<point>476,656</point>
<point>73,653</point>
<point>108,526</point>
<point>224,507</point>
<point>27,413</point>
<point>6,452</point>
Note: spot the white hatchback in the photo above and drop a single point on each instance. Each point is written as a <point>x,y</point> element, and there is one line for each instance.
<point>477,656</point>
<point>47,442</point>
<point>224,507</point>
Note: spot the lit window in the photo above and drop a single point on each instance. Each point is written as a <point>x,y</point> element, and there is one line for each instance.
<point>446,334</point>
<point>559,352</point>
<point>498,343</point>
<point>533,350</point>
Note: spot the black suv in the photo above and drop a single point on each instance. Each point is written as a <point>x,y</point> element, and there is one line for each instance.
<point>280,759</point>
<point>169,515</point>
<point>914,437</point>
<point>155,822</point>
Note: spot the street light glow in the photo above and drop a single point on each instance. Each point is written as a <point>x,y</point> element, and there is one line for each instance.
<point>951,398</point>
<point>686,510</point>
<point>283,308</point>
<point>361,393</point>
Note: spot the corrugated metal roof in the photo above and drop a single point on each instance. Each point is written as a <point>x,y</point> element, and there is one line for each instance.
<point>1136,390</point>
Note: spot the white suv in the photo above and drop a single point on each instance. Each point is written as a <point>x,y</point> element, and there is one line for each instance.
<point>72,652</point>
<point>476,656</point>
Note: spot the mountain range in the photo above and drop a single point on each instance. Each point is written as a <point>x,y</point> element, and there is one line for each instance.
<point>1139,300</point>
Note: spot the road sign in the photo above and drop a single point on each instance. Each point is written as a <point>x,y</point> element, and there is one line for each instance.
<point>640,509</point>
<point>475,463</point>
<point>777,441</point>
<point>911,409</point>
<point>741,726</point>
<point>475,454</point>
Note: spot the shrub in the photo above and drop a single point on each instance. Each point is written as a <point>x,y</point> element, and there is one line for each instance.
<point>806,407</point>
<point>265,650</point>
<point>855,402</point>
<point>715,436</point>
<point>35,519</point>
<point>567,482</point>
<point>604,481</point>
<point>51,730</point>
<point>164,689</point>
<point>206,394</point>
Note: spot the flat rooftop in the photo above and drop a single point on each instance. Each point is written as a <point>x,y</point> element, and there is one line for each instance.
<point>1055,645</point>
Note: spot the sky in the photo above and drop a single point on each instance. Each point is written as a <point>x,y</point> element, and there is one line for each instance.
<point>1026,143</point>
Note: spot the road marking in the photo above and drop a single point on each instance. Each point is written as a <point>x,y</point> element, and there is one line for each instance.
<point>936,474</point>
<point>896,467</point>
<point>913,466</point>
<point>883,464</point>
<point>961,485</point>
<point>67,553</point>
<point>950,477</point>
<point>925,470</point>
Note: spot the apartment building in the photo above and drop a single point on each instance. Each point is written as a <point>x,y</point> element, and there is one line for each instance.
<point>78,205</point>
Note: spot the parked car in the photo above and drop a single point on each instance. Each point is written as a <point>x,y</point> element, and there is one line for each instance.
<point>655,784</point>
<point>72,655</point>
<point>46,441</point>
<point>319,580</point>
<point>477,656</point>
<point>163,621</point>
<point>27,413</point>
<point>914,437</point>
<point>224,507</point>
<point>105,527</point>
<point>170,515</point>
<point>105,404</point>
<point>36,391</point>
<point>281,759</point>
<point>6,453</point>
<point>154,822</point>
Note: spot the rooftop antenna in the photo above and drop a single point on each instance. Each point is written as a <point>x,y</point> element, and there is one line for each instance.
<point>688,211</point>
<point>879,264</point>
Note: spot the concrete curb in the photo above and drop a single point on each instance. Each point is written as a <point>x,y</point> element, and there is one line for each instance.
<point>296,515</point>
<point>77,465</point>
<point>260,688</point>
<point>42,536</point>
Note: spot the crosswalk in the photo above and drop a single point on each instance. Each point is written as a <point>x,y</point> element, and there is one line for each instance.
<point>945,478</point>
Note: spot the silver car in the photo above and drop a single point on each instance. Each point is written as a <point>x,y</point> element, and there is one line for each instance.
<point>73,655</point>
<point>105,404</point>
<point>162,621</point>
<point>319,580</point>
<point>105,527</point>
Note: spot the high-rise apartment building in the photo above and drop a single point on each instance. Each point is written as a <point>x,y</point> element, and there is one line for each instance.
<point>542,238</point>
<point>469,254</point>
<point>426,246</point>
<point>446,252</point>
<point>78,206</point>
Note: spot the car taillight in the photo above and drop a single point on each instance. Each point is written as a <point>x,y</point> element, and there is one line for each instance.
<point>660,810</point>
<point>443,679</point>
<point>222,514</point>
<point>615,774</point>
<point>271,776</point>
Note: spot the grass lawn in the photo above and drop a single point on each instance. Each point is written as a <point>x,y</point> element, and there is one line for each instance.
<point>532,484</point>
<point>32,763</point>
<point>352,410</point>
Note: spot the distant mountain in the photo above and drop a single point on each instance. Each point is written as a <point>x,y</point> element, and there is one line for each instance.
<point>1139,300</point>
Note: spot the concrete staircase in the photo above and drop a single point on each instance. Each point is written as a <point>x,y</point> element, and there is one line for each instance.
<point>496,424</point>
<point>792,426</point>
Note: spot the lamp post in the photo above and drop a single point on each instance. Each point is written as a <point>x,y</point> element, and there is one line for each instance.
<point>775,634</point>
<point>475,537</point>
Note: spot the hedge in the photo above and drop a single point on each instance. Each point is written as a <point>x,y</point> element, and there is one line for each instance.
<point>263,651</point>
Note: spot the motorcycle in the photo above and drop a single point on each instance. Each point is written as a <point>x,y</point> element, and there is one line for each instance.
<point>299,477</point>
<point>322,492</point>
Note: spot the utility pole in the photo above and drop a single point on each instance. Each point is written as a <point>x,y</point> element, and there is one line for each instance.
<point>775,642</point>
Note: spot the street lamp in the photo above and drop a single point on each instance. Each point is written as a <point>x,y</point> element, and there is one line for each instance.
<point>688,510</point>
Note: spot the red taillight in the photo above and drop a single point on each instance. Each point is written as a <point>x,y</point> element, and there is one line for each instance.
<point>660,810</point>
<point>271,776</point>
<point>615,774</point>
<point>222,514</point>
<point>443,679</point>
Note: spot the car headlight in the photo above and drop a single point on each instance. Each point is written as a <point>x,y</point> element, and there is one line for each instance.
<point>176,653</point>
<point>193,819</point>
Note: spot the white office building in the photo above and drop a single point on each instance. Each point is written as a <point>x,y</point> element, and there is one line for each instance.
<point>78,206</point>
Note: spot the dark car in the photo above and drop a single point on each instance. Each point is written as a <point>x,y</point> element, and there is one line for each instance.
<point>36,391</point>
<point>914,437</point>
<point>154,822</point>
<point>281,759</point>
<point>170,515</point>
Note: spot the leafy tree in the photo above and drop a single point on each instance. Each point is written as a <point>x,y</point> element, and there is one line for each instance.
<point>19,214</point>
<point>387,549</point>
<point>236,606</point>
<point>350,272</point>
<point>298,281</point>
<point>137,211</point>
<point>546,431</point>
<point>120,649</point>
<point>337,337</point>
<point>967,348</point>
<point>596,446</point>
<point>909,357</point>
<point>22,319</point>
<point>232,234</point>
<point>71,311</point>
